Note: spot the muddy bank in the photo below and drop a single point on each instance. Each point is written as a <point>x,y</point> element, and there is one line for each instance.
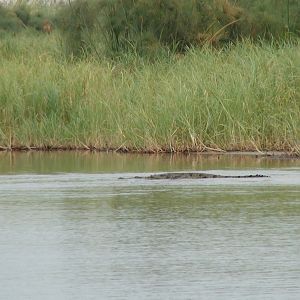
<point>258,154</point>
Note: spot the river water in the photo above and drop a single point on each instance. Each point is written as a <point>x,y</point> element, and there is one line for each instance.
<point>70,229</point>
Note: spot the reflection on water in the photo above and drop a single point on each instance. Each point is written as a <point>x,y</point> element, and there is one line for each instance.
<point>69,229</point>
<point>49,162</point>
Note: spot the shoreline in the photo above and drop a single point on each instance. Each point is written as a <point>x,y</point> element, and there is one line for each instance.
<point>122,150</point>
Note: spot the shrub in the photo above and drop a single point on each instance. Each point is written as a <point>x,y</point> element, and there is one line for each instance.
<point>22,15</point>
<point>33,16</point>
<point>129,25</point>
<point>77,22</point>
<point>22,11</point>
<point>144,26</point>
<point>9,20</point>
<point>273,18</point>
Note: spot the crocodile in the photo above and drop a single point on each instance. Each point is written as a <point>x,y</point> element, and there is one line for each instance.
<point>192,175</point>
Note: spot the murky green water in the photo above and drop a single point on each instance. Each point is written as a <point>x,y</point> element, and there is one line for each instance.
<point>70,229</point>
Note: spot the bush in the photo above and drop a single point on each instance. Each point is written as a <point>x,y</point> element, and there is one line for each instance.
<point>147,24</point>
<point>9,20</point>
<point>22,11</point>
<point>22,15</point>
<point>273,18</point>
<point>77,22</point>
<point>144,26</point>
<point>139,26</point>
<point>33,16</point>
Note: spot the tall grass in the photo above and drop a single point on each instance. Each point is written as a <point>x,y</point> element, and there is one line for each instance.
<point>245,98</point>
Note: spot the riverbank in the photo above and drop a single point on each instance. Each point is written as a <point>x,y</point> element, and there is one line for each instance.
<point>246,98</point>
<point>204,154</point>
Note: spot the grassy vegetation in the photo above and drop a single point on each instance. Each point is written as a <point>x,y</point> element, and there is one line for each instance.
<point>19,15</point>
<point>165,75</point>
<point>111,27</point>
<point>243,98</point>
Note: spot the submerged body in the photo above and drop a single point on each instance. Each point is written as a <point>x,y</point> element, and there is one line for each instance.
<point>193,175</point>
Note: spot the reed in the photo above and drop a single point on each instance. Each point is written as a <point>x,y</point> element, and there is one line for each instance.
<point>243,98</point>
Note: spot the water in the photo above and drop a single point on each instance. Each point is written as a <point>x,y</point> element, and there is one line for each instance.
<point>70,229</point>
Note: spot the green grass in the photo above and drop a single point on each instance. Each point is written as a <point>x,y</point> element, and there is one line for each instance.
<point>245,98</point>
